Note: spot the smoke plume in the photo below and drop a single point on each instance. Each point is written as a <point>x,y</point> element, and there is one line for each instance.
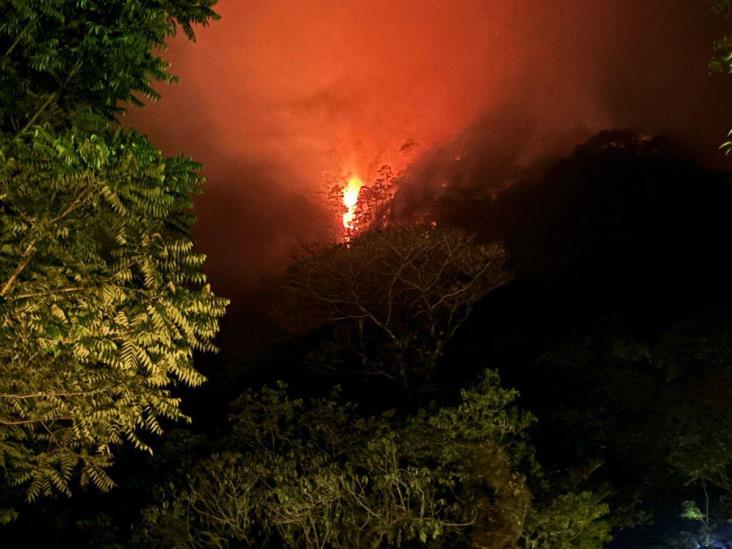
<point>282,99</point>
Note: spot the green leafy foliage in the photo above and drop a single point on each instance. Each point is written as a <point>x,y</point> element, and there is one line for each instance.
<point>723,60</point>
<point>690,511</point>
<point>315,474</point>
<point>103,300</point>
<point>60,56</point>
<point>570,520</point>
<point>102,297</point>
<point>673,390</point>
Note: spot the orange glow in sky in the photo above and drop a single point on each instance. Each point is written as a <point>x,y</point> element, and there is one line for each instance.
<point>284,99</point>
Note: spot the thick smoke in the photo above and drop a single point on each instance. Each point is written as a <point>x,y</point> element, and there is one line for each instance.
<point>280,100</point>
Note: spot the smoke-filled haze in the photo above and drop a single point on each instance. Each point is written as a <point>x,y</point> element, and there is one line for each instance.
<point>282,99</point>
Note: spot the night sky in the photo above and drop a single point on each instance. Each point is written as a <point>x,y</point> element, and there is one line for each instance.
<point>282,100</point>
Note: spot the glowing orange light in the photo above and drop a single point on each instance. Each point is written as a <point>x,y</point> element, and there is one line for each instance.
<point>350,200</point>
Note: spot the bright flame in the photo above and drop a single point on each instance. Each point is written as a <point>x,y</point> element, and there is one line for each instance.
<point>350,200</point>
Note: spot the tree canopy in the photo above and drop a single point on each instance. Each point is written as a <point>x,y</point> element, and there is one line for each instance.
<point>102,296</point>
<point>63,56</point>
<point>394,297</point>
<point>317,474</point>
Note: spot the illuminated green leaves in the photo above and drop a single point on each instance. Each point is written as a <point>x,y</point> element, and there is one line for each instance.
<point>104,300</point>
<point>314,474</point>
<point>60,55</point>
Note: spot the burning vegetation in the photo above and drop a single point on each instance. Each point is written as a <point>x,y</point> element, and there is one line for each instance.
<point>365,206</point>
